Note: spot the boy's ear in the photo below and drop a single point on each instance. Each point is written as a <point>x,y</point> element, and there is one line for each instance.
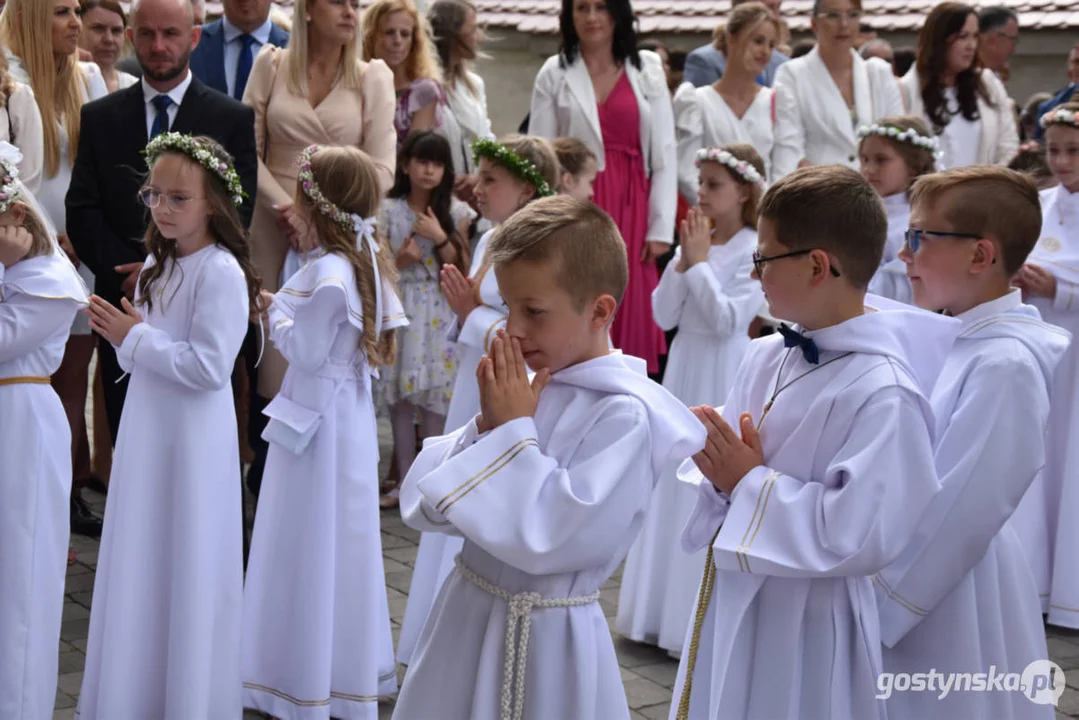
<point>603,309</point>
<point>984,256</point>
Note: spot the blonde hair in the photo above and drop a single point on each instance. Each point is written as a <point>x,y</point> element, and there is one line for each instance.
<point>537,151</point>
<point>583,239</point>
<point>296,57</point>
<point>744,16</point>
<point>421,61</point>
<point>988,201</point>
<point>746,153</point>
<point>349,179</point>
<point>25,27</point>
<point>41,242</point>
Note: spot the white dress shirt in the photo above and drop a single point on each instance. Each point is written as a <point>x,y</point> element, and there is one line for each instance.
<point>177,95</point>
<point>233,45</point>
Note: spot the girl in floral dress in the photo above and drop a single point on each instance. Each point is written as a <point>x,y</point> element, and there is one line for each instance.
<point>426,227</point>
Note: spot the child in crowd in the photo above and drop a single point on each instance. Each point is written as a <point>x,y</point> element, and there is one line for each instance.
<point>316,618</point>
<point>1050,282</point>
<point>165,626</point>
<point>512,173</point>
<point>961,597</point>
<point>579,167</point>
<point>816,473</point>
<point>894,152</point>
<point>707,292</point>
<point>427,228</point>
<point>40,295</point>
<point>565,463</point>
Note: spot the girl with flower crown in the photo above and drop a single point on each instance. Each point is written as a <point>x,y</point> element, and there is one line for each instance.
<point>1050,282</point>
<point>894,152</point>
<point>40,295</point>
<point>164,635</point>
<point>707,293</point>
<point>316,633</point>
<point>511,174</point>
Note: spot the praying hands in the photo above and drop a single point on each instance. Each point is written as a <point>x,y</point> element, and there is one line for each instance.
<point>726,457</point>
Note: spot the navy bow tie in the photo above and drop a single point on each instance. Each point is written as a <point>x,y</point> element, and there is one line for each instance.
<point>792,338</point>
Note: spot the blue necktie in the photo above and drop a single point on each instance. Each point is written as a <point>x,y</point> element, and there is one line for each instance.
<point>161,122</point>
<point>243,67</point>
<point>792,338</point>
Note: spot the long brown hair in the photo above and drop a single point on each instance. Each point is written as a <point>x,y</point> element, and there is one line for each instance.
<point>347,178</point>
<point>943,22</point>
<point>747,154</point>
<point>224,226</point>
<point>919,160</point>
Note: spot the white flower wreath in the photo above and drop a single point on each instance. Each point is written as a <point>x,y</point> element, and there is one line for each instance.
<point>909,136</point>
<point>1060,116</point>
<point>10,157</point>
<point>200,153</point>
<point>717,155</point>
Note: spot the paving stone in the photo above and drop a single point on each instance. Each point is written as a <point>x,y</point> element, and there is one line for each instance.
<point>65,714</point>
<point>390,541</point>
<point>664,673</point>
<point>70,683</point>
<point>72,662</point>
<point>642,693</point>
<point>389,565</point>
<point>656,712</point>
<point>406,555</point>
<point>64,701</point>
<point>1069,702</point>
<point>74,611</point>
<point>631,654</point>
<point>72,630</point>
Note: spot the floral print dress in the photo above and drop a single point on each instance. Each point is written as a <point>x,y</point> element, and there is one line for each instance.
<point>426,365</point>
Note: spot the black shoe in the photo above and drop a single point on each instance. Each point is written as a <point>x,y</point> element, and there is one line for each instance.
<point>96,484</point>
<point>84,522</point>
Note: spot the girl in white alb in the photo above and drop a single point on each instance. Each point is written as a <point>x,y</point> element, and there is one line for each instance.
<point>893,153</point>
<point>316,623</point>
<point>1045,520</point>
<point>708,294</point>
<point>40,294</point>
<point>510,175</point>
<point>164,637</point>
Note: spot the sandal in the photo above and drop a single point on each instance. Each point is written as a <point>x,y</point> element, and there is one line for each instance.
<point>390,500</point>
<point>71,557</point>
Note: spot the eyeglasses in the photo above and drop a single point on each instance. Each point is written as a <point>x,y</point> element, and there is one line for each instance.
<point>833,16</point>
<point>174,201</point>
<point>913,236</point>
<point>760,260</point>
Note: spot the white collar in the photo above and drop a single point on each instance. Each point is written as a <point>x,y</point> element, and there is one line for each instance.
<point>1002,304</point>
<point>261,33</point>
<point>177,93</point>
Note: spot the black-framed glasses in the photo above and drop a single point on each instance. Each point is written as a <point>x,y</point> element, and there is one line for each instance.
<point>760,260</point>
<point>174,201</point>
<point>913,237</point>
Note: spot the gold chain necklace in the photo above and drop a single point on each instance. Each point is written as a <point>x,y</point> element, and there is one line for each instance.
<point>775,392</point>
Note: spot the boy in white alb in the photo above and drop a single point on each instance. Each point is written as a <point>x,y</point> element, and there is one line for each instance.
<point>817,470</point>
<point>548,485</point>
<point>961,597</point>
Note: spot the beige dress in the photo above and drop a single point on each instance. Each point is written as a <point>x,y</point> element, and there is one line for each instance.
<point>285,124</point>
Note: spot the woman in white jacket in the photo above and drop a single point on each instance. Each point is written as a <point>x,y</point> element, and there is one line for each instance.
<point>602,91</point>
<point>823,97</point>
<point>967,107</point>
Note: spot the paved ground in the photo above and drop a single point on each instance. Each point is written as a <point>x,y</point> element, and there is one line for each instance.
<point>648,673</point>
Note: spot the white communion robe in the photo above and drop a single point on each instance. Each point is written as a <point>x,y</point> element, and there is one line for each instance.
<point>961,597</point>
<point>1046,518</point>
<point>165,619</point>
<point>712,305</point>
<point>548,507</point>
<point>434,560</point>
<point>317,640</point>
<point>39,298</point>
<point>891,279</point>
<point>790,629</point>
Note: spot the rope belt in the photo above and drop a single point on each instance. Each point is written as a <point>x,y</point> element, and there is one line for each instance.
<point>519,609</point>
<point>25,380</point>
<point>704,597</point>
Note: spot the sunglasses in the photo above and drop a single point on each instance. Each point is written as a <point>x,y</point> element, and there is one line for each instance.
<point>760,260</point>
<point>913,236</point>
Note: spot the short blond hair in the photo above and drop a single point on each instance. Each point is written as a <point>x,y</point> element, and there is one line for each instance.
<point>831,208</point>
<point>996,203</point>
<point>584,240</point>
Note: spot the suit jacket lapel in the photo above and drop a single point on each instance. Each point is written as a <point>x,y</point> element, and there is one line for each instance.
<point>863,93</point>
<point>193,103</point>
<point>215,69</point>
<point>580,87</point>
<point>833,108</point>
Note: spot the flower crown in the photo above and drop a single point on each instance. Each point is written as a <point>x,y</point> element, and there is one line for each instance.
<point>744,170</point>
<point>200,152</point>
<point>909,136</point>
<point>523,169</point>
<point>1060,116</point>
<point>312,191</point>
<point>10,157</point>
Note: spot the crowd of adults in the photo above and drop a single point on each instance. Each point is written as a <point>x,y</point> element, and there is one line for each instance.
<point>265,85</point>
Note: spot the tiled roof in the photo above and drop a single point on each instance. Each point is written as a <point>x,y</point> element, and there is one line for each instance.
<point>540,17</point>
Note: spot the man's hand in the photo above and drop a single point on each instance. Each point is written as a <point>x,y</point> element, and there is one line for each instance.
<point>1036,281</point>
<point>505,392</point>
<point>727,458</point>
<point>652,250</point>
<point>131,271</point>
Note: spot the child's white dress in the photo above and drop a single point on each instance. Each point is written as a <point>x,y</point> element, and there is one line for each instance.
<point>165,625</point>
<point>317,639</point>
<point>891,279</point>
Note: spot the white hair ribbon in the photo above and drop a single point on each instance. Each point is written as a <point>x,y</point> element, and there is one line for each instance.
<point>365,231</point>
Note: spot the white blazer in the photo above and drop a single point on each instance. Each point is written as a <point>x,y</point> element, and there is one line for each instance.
<point>999,139</point>
<point>465,121</point>
<point>813,122</point>
<point>564,105</point>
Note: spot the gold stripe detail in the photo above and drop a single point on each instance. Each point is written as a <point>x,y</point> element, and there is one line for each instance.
<point>766,491</point>
<point>1065,608</point>
<point>473,482</point>
<point>286,697</point>
<point>743,564</point>
<point>25,380</point>
<point>423,509</point>
<point>325,281</point>
<point>137,343</point>
<point>1009,319</point>
<point>892,594</point>
<point>46,297</point>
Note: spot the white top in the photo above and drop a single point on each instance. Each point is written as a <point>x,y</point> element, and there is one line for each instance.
<point>124,80</point>
<point>22,128</point>
<point>465,120</point>
<point>177,95</point>
<point>233,46</point>
<point>961,137</point>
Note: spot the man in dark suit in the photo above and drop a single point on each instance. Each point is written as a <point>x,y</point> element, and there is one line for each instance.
<point>105,218</point>
<point>228,47</point>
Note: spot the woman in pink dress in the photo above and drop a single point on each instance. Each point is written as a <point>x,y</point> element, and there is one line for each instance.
<point>601,90</point>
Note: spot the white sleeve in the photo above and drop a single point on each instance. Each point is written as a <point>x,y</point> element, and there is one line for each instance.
<point>205,360</point>
<point>27,134</point>
<point>306,339</point>
<point>1004,406</point>
<point>878,485</point>
<point>789,148</point>
<point>26,323</point>
<point>480,327</point>
<point>522,506</point>
<point>728,308</point>
<point>542,121</point>
<point>689,125</point>
<point>669,297</point>
<point>1065,298</point>
<point>663,194</point>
